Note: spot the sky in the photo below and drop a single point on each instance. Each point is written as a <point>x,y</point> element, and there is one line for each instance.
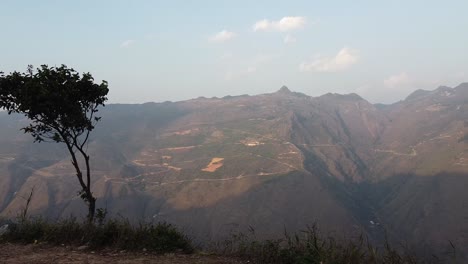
<point>155,51</point>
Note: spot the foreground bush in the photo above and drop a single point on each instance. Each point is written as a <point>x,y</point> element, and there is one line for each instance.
<point>306,247</point>
<point>118,234</point>
<point>310,247</point>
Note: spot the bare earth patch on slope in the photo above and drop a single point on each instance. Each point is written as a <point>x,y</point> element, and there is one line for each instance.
<point>214,165</point>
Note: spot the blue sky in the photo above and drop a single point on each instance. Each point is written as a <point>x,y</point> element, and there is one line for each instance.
<point>176,50</point>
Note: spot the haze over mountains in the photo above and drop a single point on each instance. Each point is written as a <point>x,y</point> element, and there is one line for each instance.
<point>270,161</point>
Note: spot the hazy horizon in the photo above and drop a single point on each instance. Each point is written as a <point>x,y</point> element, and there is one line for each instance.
<point>156,51</point>
<point>277,89</point>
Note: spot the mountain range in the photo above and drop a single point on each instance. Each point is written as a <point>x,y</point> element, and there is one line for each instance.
<point>269,162</point>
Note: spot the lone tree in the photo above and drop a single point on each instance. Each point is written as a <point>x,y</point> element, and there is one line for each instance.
<point>62,107</point>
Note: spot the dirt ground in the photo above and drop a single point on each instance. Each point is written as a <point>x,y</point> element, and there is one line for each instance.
<point>42,254</point>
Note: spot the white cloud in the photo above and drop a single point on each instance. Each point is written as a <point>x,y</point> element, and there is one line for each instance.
<point>392,89</point>
<point>343,60</point>
<point>127,43</point>
<point>261,25</point>
<point>283,25</point>
<point>398,86</point>
<point>398,81</point>
<point>289,39</point>
<point>410,82</point>
<point>223,36</point>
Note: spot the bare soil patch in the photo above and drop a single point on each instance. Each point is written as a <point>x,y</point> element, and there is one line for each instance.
<point>215,164</point>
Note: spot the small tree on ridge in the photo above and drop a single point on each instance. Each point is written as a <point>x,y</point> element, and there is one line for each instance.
<point>62,107</point>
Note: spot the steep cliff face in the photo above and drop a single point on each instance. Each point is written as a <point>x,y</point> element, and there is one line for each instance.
<point>269,161</point>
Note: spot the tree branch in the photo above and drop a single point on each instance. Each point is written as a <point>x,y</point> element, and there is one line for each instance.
<point>75,164</point>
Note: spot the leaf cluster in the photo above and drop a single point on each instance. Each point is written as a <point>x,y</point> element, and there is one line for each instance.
<point>59,101</point>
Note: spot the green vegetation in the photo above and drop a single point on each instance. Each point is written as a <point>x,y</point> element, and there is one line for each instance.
<point>310,247</point>
<point>61,105</point>
<point>117,234</point>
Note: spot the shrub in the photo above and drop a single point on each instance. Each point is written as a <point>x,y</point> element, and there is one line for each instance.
<point>310,247</point>
<point>119,234</point>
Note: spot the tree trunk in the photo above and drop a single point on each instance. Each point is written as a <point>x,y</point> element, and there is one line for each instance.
<point>91,207</point>
<point>86,187</point>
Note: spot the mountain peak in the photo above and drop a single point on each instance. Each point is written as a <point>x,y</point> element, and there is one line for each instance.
<point>417,94</point>
<point>284,90</point>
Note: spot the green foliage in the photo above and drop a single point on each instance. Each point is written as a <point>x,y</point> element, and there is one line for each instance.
<point>101,215</point>
<point>117,234</point>
<point>57,100</point>
<point>309,247</point>
<point>62,107</point>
